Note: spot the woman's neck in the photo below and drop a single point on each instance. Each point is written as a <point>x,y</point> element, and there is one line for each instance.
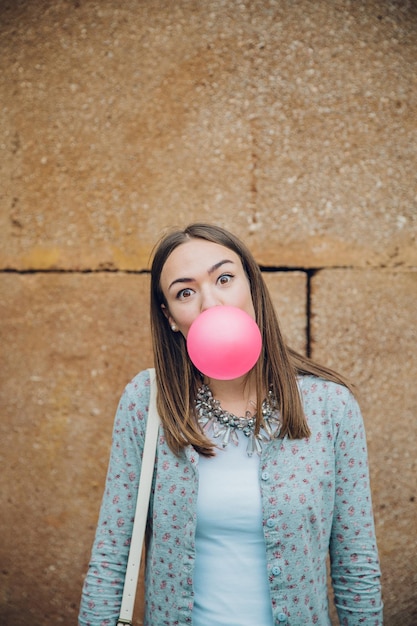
<point>236,396</point>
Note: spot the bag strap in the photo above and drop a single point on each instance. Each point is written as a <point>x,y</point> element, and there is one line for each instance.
<point>142,505</point>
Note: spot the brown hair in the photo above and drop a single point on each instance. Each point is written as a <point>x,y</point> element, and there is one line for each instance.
<point>178,380</point>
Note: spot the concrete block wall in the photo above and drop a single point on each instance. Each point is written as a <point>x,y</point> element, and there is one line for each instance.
<point>291,123</point>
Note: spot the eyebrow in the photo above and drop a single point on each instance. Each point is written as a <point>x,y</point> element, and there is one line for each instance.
<point>212,269</point>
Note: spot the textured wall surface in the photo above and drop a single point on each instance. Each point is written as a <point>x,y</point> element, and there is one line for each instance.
<point>293,124</point>
<point>367,321</point>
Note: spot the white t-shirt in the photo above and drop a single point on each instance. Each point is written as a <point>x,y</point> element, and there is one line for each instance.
<point>230,577</point>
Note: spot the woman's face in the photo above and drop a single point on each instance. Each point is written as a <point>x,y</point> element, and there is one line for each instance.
<point>198,275</point>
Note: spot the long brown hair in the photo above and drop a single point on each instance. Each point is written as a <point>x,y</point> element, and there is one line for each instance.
<point>177,378</point>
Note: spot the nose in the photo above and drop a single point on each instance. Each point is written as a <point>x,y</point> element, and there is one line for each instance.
<point>208,300</point>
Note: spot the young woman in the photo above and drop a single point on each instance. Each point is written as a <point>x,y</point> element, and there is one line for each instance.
<point>256,479</point>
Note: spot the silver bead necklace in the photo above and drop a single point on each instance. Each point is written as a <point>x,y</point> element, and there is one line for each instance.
<point>221,424</point>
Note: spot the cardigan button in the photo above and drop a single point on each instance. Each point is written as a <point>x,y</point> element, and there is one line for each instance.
<point>282,617</point>
<point>270,522</point>
<point>265,475</point>
<point>276,570</point>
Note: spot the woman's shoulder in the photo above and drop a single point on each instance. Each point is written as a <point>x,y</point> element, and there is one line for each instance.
<point>315,388</point>
<point>139,386</point>
<point>133,404</point>
<point>328,405</point>
<point>141,378</point>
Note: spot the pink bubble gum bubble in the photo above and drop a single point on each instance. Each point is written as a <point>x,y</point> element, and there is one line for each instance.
<point>224,342</point>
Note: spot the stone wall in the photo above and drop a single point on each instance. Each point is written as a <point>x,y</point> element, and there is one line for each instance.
<point>293,124</point>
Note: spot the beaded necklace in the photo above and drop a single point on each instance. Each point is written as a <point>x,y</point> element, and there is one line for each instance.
<point>221,424</point>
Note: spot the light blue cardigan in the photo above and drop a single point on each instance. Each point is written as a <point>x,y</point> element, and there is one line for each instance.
<point>315,496</point>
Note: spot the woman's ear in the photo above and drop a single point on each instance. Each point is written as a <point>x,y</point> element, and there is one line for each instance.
<point>170,319</point>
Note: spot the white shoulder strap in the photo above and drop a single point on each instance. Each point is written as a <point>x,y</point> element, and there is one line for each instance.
<point>142,505</point>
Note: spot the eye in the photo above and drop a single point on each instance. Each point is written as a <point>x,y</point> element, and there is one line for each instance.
<point>183,294</point>
<point>225,278</point>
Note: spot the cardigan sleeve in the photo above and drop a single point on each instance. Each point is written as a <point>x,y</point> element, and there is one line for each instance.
<point>353,552</point>
<point>103,585</point>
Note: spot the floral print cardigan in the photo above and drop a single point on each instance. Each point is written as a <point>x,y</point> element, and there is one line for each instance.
<point>315,496</point>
